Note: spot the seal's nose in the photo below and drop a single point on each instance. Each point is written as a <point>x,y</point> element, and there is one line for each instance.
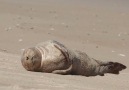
<point>27,58</point>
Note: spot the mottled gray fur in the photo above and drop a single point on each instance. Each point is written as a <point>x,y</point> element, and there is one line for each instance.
<point>54,57</point>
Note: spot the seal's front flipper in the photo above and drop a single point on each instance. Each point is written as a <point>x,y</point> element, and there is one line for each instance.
<point>63,72</point>
<point>63,49</point>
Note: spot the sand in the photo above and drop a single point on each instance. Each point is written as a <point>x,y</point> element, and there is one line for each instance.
<point>99,28</point>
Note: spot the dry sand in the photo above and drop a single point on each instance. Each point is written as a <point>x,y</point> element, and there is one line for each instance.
<point>100,28</point>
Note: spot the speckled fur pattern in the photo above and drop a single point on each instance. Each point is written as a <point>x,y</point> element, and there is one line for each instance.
<point>53,57</point>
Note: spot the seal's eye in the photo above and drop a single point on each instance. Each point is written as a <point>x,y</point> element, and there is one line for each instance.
<point>27,58</point>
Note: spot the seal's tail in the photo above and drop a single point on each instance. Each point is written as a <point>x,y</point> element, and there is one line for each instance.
<point>110,67</point>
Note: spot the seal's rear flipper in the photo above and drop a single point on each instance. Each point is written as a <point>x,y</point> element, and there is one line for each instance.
<point>110,67</point>
<point>115,67</point>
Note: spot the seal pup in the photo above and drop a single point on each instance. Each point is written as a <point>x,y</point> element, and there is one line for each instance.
<point>53,57</point>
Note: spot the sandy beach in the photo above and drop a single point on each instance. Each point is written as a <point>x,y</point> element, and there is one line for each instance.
<point>99,28</point>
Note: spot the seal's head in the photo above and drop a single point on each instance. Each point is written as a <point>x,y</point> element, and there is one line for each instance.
<point>31,59</point>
